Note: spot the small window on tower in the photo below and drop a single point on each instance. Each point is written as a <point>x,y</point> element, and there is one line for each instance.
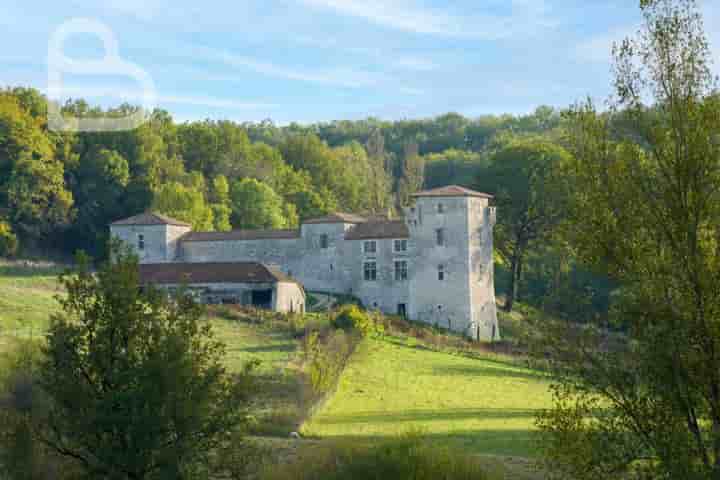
<point>324,240</point>
<point>370,246</point>
<point>441,208</point>
<point>440,236</point>
<point>141,242</point>
<point>441,272</point>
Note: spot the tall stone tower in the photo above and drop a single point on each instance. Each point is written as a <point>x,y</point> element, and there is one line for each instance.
<point>451,282</point>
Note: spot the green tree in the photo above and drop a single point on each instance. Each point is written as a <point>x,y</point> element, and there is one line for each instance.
<point>185,203</point>
<point>136,384</point>
<point>645,403</point>
<point>32,184</point>
<point>413,174</point>
<point>256,205</point>
<point>379,178</point>
<point>8,240</point>
<point>220,203</point>
<point>523,176</point>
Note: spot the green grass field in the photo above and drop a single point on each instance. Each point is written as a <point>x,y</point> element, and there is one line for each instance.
<point>481,406</point>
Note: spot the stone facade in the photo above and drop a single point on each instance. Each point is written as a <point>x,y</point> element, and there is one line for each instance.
<point>434,266</point>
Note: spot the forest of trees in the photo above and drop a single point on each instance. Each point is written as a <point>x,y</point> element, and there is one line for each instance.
<point>59,191</point>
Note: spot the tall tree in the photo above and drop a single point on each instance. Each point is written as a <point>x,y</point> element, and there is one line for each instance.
<point>529,196</point>
<point>646,210</point>
<point>136,384</point>
<point>413,174</point>
<point>379,178</point>
<point>256,205</point>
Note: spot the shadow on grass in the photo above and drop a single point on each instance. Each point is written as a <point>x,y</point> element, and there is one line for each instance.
<point>484,370</point>
<point>429,415</point>
<point>283,347</point>
<point>518,442</point>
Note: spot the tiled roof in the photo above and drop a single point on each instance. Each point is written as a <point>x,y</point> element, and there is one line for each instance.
<point>452,191</point>
<point>378,229</point>
<point>239,235</point>
<point>216,272</point>
<point>337,217</point>
<point>151,218</point>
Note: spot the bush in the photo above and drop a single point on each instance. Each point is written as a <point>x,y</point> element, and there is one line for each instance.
<point>326,357</point>
<point>8,240</point>
<point>351,316</point>
<point>410,457</point>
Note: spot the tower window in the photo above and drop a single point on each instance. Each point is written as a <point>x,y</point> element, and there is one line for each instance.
<point>440,236</point>
<point>324,240</point>
<point>401,270</point>
<point>400,245</point>
<point>370,271</point>
<point>440,208</point>
<point>370,246</point>
<point>441,272</point>
<point>141,242</point>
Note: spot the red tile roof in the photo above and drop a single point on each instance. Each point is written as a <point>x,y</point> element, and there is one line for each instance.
<point>215,272</point>
<point>151,218</point>
<point>451,191</point>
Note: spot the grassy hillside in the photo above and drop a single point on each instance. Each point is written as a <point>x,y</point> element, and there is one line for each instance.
<point>390,386</point>
<point>27,299</point>
<point>482,406</point>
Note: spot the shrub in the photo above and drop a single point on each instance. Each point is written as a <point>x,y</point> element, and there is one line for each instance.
<point>326,357</point>
<point>8,240</point>
<point>410,457</point>
<point>351,316</point>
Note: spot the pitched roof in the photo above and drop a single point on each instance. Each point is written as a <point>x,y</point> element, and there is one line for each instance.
<point>151,218</point>
<point>378,229</point>
<point>239,235</point>
<point>451,191</point>
<point>337,217</point>
<point>215,272</point>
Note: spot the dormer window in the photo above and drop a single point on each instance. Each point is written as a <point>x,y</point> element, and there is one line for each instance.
<point>141,242</point>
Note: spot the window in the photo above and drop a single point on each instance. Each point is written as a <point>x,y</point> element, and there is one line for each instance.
<point>370,246</point>
<point>324,240</point>
<point>402,310</point>
<point>141,242</point>
<point>440,236</point>
<point>441,272</point>
<point>440,208</point>
<point>400,245</point>
<point>370,271</point>
<point>401,270</point>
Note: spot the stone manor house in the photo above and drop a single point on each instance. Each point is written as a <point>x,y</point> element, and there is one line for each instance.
<point>435,265</point>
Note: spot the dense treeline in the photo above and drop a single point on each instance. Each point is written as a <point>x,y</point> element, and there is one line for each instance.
<point>59,191</point>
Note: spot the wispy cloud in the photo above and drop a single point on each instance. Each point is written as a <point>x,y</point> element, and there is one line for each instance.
<point>410,17</point>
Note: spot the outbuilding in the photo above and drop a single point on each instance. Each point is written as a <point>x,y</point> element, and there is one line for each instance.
<point>241,283</point>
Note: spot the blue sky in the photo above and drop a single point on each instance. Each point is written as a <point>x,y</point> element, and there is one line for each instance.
<point>320,60</point>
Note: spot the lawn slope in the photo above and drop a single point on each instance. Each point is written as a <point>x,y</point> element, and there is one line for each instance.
<point>388,388</point>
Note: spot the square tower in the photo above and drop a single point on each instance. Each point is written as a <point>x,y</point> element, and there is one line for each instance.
<point>152,236</point>
<point>451,279</point>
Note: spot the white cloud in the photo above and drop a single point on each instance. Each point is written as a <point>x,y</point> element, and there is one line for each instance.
<point>337,76</point>
<point>407,16</point>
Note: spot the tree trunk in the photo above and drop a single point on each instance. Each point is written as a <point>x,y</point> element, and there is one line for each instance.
<point>515,272</point>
